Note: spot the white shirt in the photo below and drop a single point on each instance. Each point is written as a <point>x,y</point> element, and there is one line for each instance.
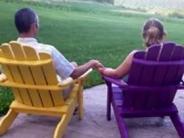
<point>63,67</point>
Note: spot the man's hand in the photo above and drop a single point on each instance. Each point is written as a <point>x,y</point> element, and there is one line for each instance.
<point>79,70</point>
<point>95,64</point>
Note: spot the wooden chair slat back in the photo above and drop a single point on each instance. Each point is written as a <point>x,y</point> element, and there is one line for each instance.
<point>28,74</point>
<point>161,67</point>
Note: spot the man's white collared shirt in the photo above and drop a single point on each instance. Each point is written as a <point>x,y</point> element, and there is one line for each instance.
<point>63,67</point>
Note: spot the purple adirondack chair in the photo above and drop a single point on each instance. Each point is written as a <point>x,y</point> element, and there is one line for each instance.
<point>153,80</point>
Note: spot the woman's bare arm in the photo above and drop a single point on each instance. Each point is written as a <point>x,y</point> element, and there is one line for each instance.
<point>121,70</point>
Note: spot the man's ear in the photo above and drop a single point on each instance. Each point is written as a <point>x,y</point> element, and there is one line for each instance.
<point>34,28</point>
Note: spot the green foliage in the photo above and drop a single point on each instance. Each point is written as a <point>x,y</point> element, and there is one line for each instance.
<point>86,31</point>
<point>177,14</point>
<point>5,99</point>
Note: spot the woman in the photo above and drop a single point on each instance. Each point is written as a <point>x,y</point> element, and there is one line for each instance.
<point>153,33</point>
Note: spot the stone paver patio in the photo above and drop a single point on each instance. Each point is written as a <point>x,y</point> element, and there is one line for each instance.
<point>94,124</point>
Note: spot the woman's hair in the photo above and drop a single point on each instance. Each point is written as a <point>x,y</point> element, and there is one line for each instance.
<point>153,32</point>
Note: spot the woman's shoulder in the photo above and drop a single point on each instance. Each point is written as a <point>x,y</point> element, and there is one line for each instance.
<point>130,55</point>
<point>134,51</point>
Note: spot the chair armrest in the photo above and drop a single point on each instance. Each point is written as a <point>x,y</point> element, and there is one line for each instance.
<point>117,82</point>
<point>84,76</point>
<point>120,83</point>
<point>66,82</point>
<point>69,80</point>
<point>31,86</point>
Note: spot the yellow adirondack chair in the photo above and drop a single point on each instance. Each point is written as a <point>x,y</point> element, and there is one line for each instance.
<point>36,89</point>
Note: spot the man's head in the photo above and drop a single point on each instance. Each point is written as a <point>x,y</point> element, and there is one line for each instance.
<point>26,22</point>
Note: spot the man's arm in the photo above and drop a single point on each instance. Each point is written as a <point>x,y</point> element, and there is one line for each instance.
<point>78,71</point>
<point>66,69</point>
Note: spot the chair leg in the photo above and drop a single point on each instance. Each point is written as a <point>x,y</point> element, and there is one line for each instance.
<point>7,120</point>
<point>121,123</point>
<point>122,128</point>
<point>109,101</point>
<point>178,124</point>
<point>61,127</point>
<point>80,102</point>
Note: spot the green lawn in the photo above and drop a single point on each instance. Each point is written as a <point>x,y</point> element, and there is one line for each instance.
<point>87,31</point>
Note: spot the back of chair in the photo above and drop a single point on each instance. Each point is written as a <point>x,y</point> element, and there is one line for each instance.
<point>23,65</point>
<point>155,76</point>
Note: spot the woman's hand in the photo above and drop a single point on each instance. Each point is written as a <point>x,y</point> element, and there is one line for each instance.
<point>105,71</point>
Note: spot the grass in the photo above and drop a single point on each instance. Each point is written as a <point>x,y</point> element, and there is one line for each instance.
<point>86,31</point>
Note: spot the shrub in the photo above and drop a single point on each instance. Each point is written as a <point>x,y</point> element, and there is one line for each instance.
<point>176,15</point>
<point>6,98</point>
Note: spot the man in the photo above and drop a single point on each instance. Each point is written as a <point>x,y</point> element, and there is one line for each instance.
<point>27,24</point>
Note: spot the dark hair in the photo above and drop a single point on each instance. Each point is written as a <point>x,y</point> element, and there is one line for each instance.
<point>24,18</point>
<point>153,32</point>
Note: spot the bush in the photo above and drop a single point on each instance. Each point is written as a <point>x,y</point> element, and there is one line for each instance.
<point>6,98</point>
<point>176,15</point>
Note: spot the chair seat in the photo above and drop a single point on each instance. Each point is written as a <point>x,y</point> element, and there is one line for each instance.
<point>51,111</point>
<point>117,103</point>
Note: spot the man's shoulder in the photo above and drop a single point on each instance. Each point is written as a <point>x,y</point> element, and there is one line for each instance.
<point>45,45</point>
